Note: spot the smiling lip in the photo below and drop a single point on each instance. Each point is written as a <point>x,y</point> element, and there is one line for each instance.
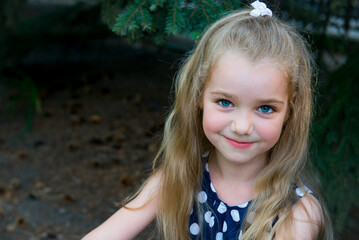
<point>237,144</point>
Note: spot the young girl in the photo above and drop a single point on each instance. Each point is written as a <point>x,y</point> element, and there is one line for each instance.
<point>232,164</point>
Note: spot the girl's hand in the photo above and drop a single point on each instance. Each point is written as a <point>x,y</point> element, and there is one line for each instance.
<point>130,220</point>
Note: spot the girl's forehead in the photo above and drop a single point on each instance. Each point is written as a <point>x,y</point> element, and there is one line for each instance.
<point>236,75</point>
<point>239,59</point>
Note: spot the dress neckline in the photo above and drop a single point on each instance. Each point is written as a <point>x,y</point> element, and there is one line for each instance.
<point>214,192</point>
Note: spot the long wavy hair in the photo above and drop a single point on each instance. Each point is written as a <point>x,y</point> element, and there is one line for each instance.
<point>179,158</point>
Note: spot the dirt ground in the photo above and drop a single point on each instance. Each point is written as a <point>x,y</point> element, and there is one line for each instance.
<point>91,146</point>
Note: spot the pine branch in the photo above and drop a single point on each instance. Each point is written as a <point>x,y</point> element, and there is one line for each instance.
<point>231,4</point>
<point>143,18</point>
<point>210,6</point>
<point>110,10</point>
<point>193,12</point>
<point>136,10</point>
<point>174,21</point>
<point>156,4</point>
<point>127,22</point>
<point>209,10</point>
<point>205,14</point>
<point>146,19</point>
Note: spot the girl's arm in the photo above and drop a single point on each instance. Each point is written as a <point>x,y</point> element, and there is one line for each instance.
<point>126,224</point>
<point>306,222</point>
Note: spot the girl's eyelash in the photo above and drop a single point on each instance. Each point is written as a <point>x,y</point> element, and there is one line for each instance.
<point>224,103</point>
<point>266,109</point>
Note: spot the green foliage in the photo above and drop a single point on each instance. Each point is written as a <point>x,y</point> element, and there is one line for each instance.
<point>158,19</point>
<point>21,90</point>
<point>336,137</point>
<point>134,20</point>
<point>110,9</point>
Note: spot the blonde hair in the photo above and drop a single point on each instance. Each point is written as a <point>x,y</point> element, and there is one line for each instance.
<point>179,158</point>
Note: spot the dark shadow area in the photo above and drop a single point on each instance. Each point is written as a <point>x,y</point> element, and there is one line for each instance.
<point>103,105</point>
<point>91,146</point>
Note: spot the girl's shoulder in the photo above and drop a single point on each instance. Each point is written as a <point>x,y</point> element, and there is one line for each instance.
<point>306,219</point>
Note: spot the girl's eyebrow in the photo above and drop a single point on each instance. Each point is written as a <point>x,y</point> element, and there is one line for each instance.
<point>271,100</point>
<point>260,101</point>
<point>224,94</point>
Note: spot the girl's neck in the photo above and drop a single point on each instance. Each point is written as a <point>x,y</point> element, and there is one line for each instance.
<point>236,173</point>
<point>234,182</point>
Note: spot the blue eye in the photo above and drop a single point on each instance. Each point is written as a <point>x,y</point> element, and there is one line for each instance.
<point>265,109</point>
<point>225,103</point>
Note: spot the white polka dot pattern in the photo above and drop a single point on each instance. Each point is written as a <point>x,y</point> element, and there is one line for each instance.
<point>222,208</point>
<point>219,236</point>
<point>219,221</point>
<point>202,197</point>
<point>224,229</point>
<point>211,221</point>
<point>194,229</point>
<point>299,192</point>
<point>240,235</point>
<point>212,188</point>
<point>209,218</point>
<point>244,205</point>
<point>235,215</point>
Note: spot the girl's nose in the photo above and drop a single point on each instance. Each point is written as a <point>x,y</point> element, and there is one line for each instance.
<point>242,124</point>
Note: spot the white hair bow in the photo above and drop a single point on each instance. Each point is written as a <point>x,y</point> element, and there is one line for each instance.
<point>260,9</point>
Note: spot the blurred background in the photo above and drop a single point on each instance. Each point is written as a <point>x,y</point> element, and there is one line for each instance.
<point>85,87</point>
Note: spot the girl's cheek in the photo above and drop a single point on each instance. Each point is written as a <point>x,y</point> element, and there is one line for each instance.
<point>214,122</point>
<point>271,132</point>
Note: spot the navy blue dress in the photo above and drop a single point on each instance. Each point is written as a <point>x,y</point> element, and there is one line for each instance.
<point>220,221</point>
